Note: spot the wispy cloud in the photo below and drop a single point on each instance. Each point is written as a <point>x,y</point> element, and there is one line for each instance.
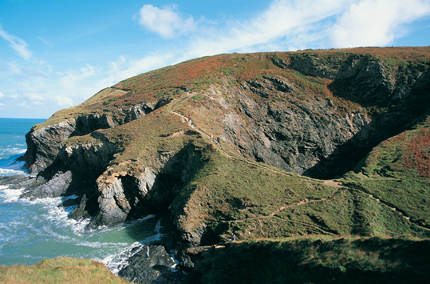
<point>42,40</point>
<point>16,44</point>
<point>284,25</point>
<point>376,22</point>
<point>287,24</point>
<point>167,22</point>
<point>123,68</point>
<point>34,97</point>
<point>72,77</point>
<point>64,101</point>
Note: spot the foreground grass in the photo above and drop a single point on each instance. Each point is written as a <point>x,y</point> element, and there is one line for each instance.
<point>60,270</point>
<point>319,260</point>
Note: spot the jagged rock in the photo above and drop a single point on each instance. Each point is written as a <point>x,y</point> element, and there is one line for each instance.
<point>159,267</point>
<point>15,180</point>
<point>55,187</point>
<point>275,117</point>
<point>80,211</point>
<point>43,144</point>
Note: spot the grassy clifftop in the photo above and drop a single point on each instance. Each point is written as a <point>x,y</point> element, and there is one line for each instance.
<point>277,114</point>
<point>284,110</point>
<point>60,270</point>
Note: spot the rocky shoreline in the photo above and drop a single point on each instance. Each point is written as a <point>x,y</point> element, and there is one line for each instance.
<point>315,116</point>
<point>159,267</point>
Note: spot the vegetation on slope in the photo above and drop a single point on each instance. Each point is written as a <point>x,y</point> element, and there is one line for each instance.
<point>319,260</point>
<point>386,196</point>
<point>397,172</point>
<point>60,270</point>
<point>170,82</point>
<point>230,195</point>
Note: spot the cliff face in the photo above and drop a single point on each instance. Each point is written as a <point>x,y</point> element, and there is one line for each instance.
<point>131,149</point>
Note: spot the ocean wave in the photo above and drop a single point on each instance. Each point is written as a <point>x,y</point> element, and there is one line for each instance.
<point>117,262</point>
<point>12,151</point>
<point>9,195</point>
<point>58,215</point>
<point>99,244</point>
<point>12,171</point>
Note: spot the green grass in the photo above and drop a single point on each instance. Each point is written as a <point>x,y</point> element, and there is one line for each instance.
<point>397,172</point>
<point>60,270</point>
<point>232,196</point>
<point>319,260</point>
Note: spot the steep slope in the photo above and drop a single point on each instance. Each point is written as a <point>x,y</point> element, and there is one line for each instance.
<point>318,260</point>
<point>283,119</point>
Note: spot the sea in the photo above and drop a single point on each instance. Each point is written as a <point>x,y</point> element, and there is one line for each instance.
<point>34,230</point>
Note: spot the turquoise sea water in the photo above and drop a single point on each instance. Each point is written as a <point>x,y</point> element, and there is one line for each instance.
<point>31,231</point>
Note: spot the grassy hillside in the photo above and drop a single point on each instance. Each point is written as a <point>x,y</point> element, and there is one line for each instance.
<point>231,195</point>
<point>213,189</point>
<point>225,193</point>
<point>60,270</point>
<point>398,173</point>
<point>319,260</point>
<point>198,74</point>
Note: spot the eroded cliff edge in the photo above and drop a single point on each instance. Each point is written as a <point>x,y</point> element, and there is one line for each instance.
<point>131,150</point>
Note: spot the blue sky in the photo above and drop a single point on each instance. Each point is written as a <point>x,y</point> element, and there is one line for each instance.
<point>57,53</point>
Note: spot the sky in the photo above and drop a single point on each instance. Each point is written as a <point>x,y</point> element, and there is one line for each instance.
<point>55,54</point>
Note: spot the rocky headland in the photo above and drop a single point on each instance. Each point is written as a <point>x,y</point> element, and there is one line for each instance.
<point>248,149</point>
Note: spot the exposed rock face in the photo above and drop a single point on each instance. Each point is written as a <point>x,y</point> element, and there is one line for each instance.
<point>159,267</point>
<point>309,136</point>
<point>43,144</point>
<point>128,197</point>
<point>293,136</point>
<point>269,118</point>
<point>55,187</point>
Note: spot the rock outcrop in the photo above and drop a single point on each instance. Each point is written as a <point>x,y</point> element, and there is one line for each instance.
<point>158,267</point>
<point>127,152</point>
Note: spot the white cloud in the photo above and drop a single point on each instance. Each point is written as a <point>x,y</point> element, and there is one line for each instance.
<point>36,98</point>
<point>166,22</point>
<point>376,22</point>
<point>64,101</point>
<point>16,44</point>
<point>42,40</point>
<point>73,76</point>
<point>1,104</point>
<point>1,95</point>
<point>33,96</point>
<point>123,69</point>
<point>295,24</point>
<point>280,23</point>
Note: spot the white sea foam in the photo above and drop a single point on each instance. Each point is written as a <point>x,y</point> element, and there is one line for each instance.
<point>59,214</point>
<point>10,195</point>
<point>117,262</point>
<point>99,244</point>
<point>12,172</point>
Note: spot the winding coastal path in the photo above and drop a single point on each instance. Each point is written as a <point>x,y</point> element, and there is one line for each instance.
<point>337,185</point>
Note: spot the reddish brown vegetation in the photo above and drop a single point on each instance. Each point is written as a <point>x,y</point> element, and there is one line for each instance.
<point>417,154</point>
